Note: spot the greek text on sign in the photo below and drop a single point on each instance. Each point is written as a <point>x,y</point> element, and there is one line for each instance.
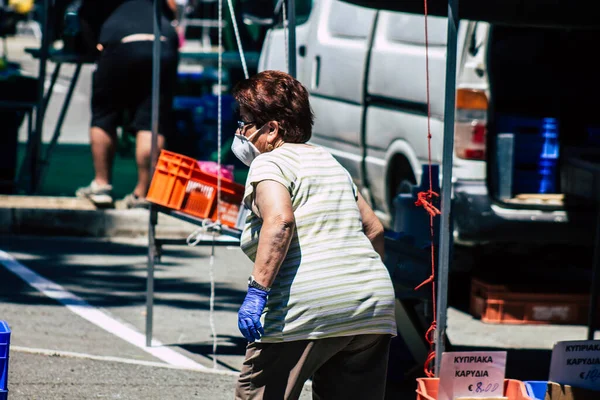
<point>472,374</point>
<point>576,363</point>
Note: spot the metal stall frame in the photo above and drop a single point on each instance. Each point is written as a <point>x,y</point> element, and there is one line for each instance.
<point>154,244</point>
<point>32,169</point>
<point>451,10</point>
<point>521,12</point>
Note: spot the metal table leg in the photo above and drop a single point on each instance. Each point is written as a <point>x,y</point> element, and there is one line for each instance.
<point>55,75</point>
<point>152,254</point>
<point>59,123</point>
<point>33,147</point>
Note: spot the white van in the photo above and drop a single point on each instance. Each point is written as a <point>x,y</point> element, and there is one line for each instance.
<point>366,73</point>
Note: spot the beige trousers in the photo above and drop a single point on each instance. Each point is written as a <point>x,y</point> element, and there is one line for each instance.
<point>349,367</point>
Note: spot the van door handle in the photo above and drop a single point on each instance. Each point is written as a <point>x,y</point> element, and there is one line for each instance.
<point>316,72</point>
<point>302,50</point>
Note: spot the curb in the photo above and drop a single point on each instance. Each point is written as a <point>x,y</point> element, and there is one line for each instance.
<point>54,216</point>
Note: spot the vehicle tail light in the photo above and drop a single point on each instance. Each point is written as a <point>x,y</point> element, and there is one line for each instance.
<point>470,129</point>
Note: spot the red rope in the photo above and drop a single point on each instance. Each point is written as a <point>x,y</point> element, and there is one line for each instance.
<point>425,200</point>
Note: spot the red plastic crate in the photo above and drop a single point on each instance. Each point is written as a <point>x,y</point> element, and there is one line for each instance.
<point>427,389</point>
<point>495,303</point>
<point>179,184</point>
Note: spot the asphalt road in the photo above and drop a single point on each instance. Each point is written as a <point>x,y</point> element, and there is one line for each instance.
<point>78,324</point>
<point>35,376</point>
<point>77,310</point>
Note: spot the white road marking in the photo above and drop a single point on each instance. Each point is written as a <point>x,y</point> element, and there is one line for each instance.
<point>59,353</point>
<point>94,315</point>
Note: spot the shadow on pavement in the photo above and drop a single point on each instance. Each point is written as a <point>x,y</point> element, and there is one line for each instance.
<point>97,271</point>
<point>227,346</point>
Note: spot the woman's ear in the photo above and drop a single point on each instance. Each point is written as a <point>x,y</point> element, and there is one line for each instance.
<point>274,132</point>
<point>273,127</point>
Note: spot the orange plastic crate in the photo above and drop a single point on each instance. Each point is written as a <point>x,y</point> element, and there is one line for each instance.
<point>495,303</point>
<point>179,184</point>
<point>427,389</point>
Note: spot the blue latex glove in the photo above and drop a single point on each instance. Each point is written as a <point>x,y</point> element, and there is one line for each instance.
<point>250,312</point>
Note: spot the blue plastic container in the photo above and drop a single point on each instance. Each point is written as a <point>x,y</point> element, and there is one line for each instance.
<point>549,157</point>
<point>593,135</point>
<point>412,220</point>
<point>196,82</point>
<point>536,151</point>
<point>528,141</point>
<point>197,124</point>
<point>536,389</point>
<point>4,353</point>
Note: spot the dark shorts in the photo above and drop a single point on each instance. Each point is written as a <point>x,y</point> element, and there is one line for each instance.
<point>122,87</point>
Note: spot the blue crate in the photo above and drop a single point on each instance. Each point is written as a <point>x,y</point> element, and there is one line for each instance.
<point>408,264</point>
<point>593,135</point>
<point>536,389</point>
<point>4,354</point>
<point>196,124</point>
<point>529,142</point>
<point>413,220</point>
<point>192,83</point>
<point>528,149</point>
<point>526,181</point>
<point>3,394</point>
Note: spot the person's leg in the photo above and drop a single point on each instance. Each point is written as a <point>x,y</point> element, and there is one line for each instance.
<point>278,371</point>
<point>99,191</point>
<point>106,110</point>
<point>103,145</point>
<point>359,371</point>
<point>143,147</point>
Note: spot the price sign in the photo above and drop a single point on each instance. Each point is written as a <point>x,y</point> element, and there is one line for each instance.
<point>576,363</point>
<point>472,374</point>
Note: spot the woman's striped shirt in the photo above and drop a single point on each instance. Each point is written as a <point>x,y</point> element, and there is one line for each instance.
<point>332,282</point>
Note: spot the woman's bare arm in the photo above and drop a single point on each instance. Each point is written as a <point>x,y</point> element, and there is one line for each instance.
<point>275,207</point>
<point>372,226</point>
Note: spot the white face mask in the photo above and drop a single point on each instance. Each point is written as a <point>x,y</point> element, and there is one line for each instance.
<point>244,149</point>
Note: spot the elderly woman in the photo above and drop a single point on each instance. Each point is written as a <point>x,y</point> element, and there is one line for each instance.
<point>319,284</point>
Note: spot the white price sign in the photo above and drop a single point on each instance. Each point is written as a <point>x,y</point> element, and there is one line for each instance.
<point>576,363</point>
<point>471,374</point>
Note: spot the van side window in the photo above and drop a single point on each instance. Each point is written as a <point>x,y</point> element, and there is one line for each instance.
<point>349,21</point>
<point>410,29</point>
<point>303,9</point>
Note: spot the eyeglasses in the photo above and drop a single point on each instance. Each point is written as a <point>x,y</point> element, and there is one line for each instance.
<point>243,124</point>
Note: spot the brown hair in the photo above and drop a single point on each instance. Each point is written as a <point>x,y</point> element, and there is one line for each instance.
<point>277,96</point>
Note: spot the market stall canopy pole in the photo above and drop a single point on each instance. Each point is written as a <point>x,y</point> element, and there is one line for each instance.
<point>153,157</point>
<point>445,233</point>
<point>292,37</point>
<point>447,161</point>
<point>576,14</point>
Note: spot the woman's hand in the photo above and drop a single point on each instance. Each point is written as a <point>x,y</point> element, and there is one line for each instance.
<point>250,312</point>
